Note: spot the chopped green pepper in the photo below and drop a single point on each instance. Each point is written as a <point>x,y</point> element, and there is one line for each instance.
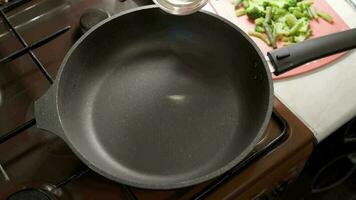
<point>325,16</point>
<point>241,11</point>
<point>259,29</point>
<point>285,20</point>
<point>313,13</point>
<point>298,14</point>
<point>268,15</point>
<point>259,21</point>
<point>291,20</point>
<point>260,36</point>
<point>296,27</point>
<point>270,36</point>
<point>245,3</point>
<point>238,2</point>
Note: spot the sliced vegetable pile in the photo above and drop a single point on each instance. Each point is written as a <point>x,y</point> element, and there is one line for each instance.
<point>286,20</point>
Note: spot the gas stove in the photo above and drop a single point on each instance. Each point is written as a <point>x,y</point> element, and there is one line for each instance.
<point>34,164</point>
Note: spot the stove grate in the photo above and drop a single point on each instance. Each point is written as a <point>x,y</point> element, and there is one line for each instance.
<point>27,49</point>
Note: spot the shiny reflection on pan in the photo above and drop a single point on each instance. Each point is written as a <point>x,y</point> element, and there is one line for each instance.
<point>177,98</point>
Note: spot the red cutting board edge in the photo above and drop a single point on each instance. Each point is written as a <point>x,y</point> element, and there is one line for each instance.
<point>225,9</point>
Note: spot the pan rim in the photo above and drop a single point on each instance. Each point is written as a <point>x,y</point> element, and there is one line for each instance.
<point>177,184</point>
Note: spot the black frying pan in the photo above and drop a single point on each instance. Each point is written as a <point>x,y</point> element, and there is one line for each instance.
<point>160,101</point>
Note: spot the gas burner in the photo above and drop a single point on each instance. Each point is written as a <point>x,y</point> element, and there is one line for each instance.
<point>31,194</point>
<point>33,191</point>
<point>91,17</point>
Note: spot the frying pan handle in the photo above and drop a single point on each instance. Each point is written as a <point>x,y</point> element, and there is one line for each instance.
<point>287,58</point>
<point>46,112</point>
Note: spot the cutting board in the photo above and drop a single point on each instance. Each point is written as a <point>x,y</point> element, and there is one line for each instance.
<point>225,9</point>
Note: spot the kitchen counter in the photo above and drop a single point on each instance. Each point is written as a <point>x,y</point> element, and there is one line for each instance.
<point>323,99</point>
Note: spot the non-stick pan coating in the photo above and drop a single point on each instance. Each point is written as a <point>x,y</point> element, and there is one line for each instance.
<point>160,101</point>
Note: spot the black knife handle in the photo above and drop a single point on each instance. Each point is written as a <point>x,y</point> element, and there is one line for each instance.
<point>287,58</point>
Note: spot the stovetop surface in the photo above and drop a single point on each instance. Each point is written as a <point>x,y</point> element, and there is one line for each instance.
<point>35,158</point>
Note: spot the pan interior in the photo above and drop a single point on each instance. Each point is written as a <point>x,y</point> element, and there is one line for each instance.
<point>158,99</point>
